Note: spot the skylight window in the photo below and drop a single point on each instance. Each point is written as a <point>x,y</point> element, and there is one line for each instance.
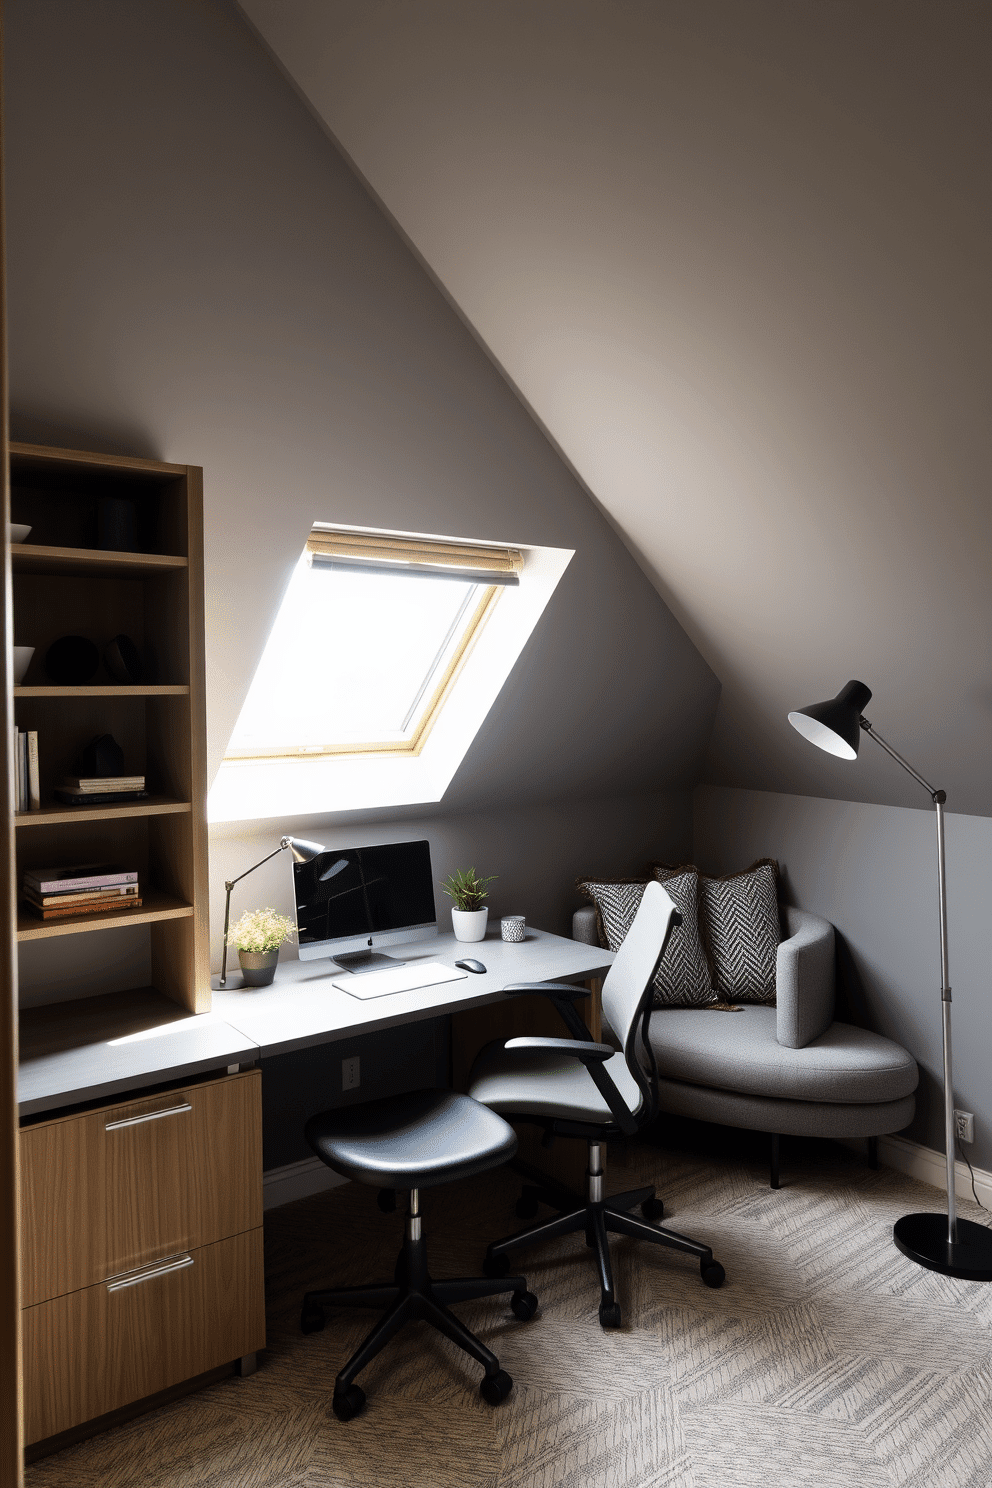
<point>368,644</point>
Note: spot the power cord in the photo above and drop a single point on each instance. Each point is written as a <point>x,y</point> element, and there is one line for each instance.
<point>964,1156</point>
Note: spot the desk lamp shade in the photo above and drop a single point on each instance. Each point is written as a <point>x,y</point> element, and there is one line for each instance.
<point>835,725</point>
<point>305,852</point>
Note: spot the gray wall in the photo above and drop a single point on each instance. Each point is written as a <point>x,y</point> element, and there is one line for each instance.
<point>196,275</point>
<point>872,871</point>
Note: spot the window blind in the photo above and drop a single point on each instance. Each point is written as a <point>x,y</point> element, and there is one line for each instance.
<point>373,553</point>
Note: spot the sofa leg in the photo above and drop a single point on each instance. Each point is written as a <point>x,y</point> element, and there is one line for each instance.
<point>773,1179</point>
<point>873,1152</point>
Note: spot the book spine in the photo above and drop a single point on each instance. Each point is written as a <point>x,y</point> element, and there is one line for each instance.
<point>19,758</point>
<point>34,774</point>
<point>77,909</point>
<point>87,896</point>
<point>71,885</point>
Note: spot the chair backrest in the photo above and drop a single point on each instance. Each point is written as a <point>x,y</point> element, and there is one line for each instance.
<point>629,982</point>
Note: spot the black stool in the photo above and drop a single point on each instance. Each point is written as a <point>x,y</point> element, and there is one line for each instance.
<point>412,1142</point>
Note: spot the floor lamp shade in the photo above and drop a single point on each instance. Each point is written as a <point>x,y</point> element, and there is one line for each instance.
<point>835,725</point>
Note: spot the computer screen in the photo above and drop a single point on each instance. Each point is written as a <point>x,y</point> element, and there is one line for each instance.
<point>352,901</point>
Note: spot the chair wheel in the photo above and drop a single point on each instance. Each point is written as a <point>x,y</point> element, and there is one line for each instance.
<point>496,1265</point>
<point>523,1306</point>
<point>653,1209</point>
<point>526,1206</point>
<point>712,1273</point>
<point>386,1199</point>
<point>347,1403</point>
<point>312,1319</point>
<point>609,1314</point>
<point>496,1387</point>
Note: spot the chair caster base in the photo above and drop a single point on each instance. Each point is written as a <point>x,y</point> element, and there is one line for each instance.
<point>653,1209</point>
<point>496,1265</point>
<point>712,1273</point>
<point>610,1315</point>
<point>346,1404</point>
<point>496,1387</point>
<point>523,1306</point>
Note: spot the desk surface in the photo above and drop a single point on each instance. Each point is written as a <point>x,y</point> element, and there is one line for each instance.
<point>99,1047</point>
<point>301,1007</point>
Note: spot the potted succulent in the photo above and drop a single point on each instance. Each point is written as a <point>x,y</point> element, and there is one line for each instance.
<point>258,935</point>
<point>468,893</point>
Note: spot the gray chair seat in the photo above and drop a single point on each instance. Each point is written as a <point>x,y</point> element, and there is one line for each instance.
<point>536,1084</point>
<point>412,1141</point>
<point>740,1052</point>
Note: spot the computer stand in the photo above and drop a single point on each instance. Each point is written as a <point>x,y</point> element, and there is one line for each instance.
<point>359,961</point>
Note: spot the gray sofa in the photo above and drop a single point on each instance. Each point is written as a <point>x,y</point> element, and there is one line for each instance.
<point>788,1069</point>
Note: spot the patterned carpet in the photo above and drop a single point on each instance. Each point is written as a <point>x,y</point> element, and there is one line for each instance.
<point>827,1359</point>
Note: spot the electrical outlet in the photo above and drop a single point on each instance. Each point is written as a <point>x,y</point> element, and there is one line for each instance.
<point>964,1126</point>
<point>351,1074</point>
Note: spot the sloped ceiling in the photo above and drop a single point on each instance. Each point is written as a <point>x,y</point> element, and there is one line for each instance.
<point>735,258</point>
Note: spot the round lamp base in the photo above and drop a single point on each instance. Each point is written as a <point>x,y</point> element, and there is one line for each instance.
<point>923,1237</point>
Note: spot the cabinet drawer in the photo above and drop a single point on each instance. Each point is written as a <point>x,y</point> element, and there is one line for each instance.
<point>118,1188</point>
<point>108,1345</point>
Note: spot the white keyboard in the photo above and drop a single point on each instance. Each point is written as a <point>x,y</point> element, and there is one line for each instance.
<point>404,979</point>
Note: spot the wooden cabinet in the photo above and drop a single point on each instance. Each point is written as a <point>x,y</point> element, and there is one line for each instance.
<point>63,584</point>
<point>142,1248</point>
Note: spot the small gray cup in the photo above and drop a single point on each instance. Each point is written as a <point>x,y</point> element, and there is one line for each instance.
<point>511,927</point>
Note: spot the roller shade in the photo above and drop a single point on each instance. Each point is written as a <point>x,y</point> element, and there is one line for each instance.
<point>415,557</point>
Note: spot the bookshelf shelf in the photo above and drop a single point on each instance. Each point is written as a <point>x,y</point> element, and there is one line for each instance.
<point>106,689</point>
<point>55,814</point>
<point>154,906</point>
<point>83,562</point>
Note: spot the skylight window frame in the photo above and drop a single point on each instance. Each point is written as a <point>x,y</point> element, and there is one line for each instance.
<point>490,568</point>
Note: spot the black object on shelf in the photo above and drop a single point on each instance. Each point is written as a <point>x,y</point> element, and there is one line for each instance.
<point>99,798</point>
<point>123,662</point>
<point>71,661</point>
<point>117,524</point>
<point>102,758</point>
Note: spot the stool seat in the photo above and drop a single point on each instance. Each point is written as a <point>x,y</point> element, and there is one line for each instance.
<point>416,1140</point>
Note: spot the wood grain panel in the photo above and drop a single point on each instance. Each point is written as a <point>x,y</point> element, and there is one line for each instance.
<point>98,1202</point>
<point>96,1349</point>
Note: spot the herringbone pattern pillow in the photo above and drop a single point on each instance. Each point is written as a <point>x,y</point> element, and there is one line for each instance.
<point>683,978</point>
<point>740,924</point>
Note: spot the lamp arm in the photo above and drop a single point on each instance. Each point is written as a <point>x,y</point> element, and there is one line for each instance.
<point>938,797</point>
<point>229,885</point>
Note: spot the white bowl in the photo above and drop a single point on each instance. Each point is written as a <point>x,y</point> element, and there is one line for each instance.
<point>18,531</point>
<point>22,660</point>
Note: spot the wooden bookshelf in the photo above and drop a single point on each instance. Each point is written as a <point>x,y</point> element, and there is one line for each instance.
<point>64,584</point>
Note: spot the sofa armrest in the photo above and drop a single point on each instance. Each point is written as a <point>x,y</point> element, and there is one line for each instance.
<point>804,979</point>
<point>584,925</point>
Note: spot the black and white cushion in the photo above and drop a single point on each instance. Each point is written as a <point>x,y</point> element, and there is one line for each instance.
<point>740,924</point>
<point>683,978</point>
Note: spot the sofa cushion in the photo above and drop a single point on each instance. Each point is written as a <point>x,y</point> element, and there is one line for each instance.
<point>739,925</point>
<point>683,978</point>
<point>740,1052</point>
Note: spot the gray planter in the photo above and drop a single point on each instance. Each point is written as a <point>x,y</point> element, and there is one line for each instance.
<point>258,967</point>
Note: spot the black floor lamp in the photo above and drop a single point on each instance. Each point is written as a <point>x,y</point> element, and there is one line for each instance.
<point>956,1247</point>
<point>303,852</point>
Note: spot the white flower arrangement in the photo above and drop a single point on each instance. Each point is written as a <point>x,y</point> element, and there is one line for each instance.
<point>261,930</point>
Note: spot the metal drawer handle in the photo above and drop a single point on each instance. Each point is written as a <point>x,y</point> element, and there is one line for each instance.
<point>135,1278</point>
<point>149,1116</point>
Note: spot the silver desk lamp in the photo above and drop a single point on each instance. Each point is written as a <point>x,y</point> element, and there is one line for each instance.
<point>955,1247</point>
<point>303,852</point>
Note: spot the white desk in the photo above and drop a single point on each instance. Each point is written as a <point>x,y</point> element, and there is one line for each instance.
<point>301,1008</point>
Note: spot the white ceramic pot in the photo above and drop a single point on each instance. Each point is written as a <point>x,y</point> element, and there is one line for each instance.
<point>22,660</point>
<point>469,924</point>
<point>18,531</point>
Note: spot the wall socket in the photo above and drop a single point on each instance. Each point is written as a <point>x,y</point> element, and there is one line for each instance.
<point>964,1126</point>
<point>351,1073</point>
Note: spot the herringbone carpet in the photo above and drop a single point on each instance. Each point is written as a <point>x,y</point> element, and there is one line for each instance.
<point>826,1360</point>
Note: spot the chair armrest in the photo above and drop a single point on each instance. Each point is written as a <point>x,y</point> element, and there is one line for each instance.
<point>584,926</point>
<point>572,1048</point>
<point>554,990</point>
<point>804,979</point>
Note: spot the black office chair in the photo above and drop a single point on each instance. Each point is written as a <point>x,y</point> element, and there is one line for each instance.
<point>413,1141</point>
<point>577,1088</point>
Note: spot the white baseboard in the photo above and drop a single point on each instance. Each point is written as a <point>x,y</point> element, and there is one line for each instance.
<point>929,1166</point>
<point>297,1181</point>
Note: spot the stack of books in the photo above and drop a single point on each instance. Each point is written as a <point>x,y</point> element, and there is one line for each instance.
<point>26,766</point>
<point>86,888</point>
<point>80,790</point>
